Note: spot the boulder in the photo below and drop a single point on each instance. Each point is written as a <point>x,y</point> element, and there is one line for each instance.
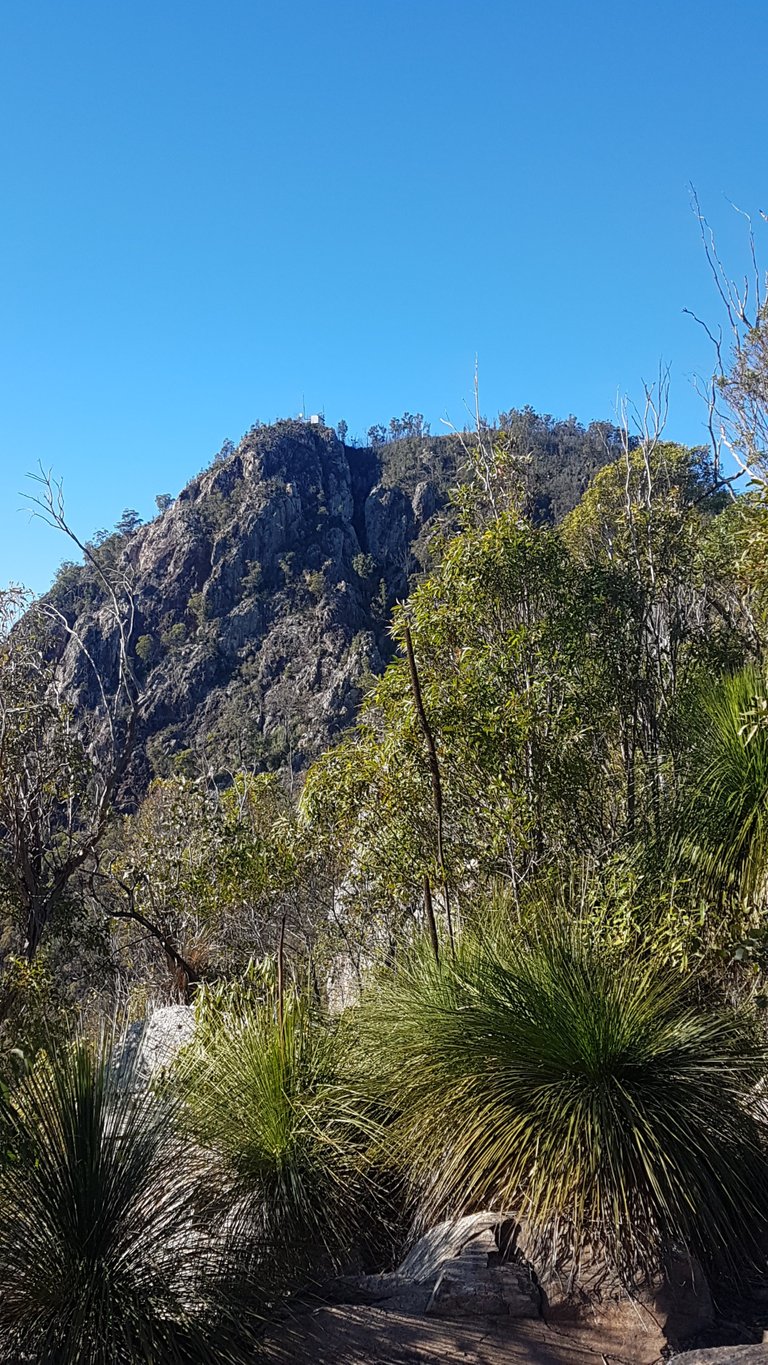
<point>152,1044</point>
<point>477,1283</point>
<point>165,1033</point>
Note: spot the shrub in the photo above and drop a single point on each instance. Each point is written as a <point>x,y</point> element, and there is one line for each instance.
<point>363,565</point>
<point>175,636</point>
<point>103,1260</point>
<point>315,581</point>
<point>146,649</point>
<point>582,1089</point>
<point>198,608</point>
<point>253,578</point>
<point>274,1102</point>
<point>725,826</point>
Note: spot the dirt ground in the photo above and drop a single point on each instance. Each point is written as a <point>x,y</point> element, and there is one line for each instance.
<point>355,1335</point>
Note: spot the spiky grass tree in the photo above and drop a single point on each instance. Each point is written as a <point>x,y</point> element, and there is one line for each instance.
<point>103,1260</point>
<point>724,824</point>
<point>579,1088</point>
<point>267,1086</point>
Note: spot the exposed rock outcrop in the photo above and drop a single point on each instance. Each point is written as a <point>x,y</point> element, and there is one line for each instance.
<point>151,1045</point>
<point>263,594</point>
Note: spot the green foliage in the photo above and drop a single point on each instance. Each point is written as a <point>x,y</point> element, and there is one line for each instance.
<point>266,1087</point>
<point>34,1010</point>
<point>646,509</point>
<point>212,875</point>
<point>515,645</point>
<point>584,1088</point>
<point>380,602</point>
<point>174,636</point>
<point>129,522</point>
<point>197,606</point>
<point>315,581</point>
<point>103,1257</point>
<point>364,565</point>
<point>253,578</point>
<point>146,649</point>
<point>724,826</point>
<point>75,587</point>
<point>287,566</point>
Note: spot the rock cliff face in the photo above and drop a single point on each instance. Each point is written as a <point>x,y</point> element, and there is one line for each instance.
<point>263,595</point>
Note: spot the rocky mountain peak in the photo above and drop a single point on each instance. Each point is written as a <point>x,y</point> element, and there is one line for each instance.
<point>264,591</point>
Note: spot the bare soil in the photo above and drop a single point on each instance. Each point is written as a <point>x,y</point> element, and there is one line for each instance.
<point>364,1335</point>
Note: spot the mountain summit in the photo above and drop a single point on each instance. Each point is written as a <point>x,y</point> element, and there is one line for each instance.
<point>263,592</point>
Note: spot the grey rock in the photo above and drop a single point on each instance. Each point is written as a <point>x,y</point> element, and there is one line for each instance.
<point>723,1355</point>
<point>476,1283</point>
<point>390,529</point>
<point>152,1044</point>
<point>426,501</point>
<point>165,1033</point>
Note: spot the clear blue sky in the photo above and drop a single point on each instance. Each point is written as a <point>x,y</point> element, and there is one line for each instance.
<point>211,208</point>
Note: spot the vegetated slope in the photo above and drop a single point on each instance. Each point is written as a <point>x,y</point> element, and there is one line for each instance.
<point>263,592</point>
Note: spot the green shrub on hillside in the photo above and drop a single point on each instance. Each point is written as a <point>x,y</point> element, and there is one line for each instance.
<point>583,1089</point>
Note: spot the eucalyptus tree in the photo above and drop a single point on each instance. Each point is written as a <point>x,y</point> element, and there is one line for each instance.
<point>648,518</point>
<point>197,881</point>
<point>512,643</point>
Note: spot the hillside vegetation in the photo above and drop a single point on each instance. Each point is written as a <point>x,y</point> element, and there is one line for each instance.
<point>262,595</point>
<point>434,775</point>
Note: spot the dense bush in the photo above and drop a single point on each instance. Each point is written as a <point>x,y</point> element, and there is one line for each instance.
<point>582,1088</point>
<point>104,1254</point>
<point>267,1086</point>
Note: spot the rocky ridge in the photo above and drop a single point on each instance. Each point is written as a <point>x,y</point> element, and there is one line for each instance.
<point>263,592</point>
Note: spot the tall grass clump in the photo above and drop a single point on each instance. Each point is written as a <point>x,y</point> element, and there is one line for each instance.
<point>579,1087</point>
<point>725,822</point>
<point>267,1088</point>
<point>102,1259</point>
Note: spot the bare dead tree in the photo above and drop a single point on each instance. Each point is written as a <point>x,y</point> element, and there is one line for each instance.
<point>737,392</point>
<point>57,792</point>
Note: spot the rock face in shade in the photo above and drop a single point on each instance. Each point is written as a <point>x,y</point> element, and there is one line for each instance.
<point>263,593</point>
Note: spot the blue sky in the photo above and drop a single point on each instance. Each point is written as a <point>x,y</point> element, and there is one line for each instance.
<point>212,210</point>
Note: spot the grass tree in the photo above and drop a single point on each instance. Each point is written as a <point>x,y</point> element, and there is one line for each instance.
<point>268,1087</point>
<point>581,1088</point>
<point>103,1257</point>
<point>725,824</point>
